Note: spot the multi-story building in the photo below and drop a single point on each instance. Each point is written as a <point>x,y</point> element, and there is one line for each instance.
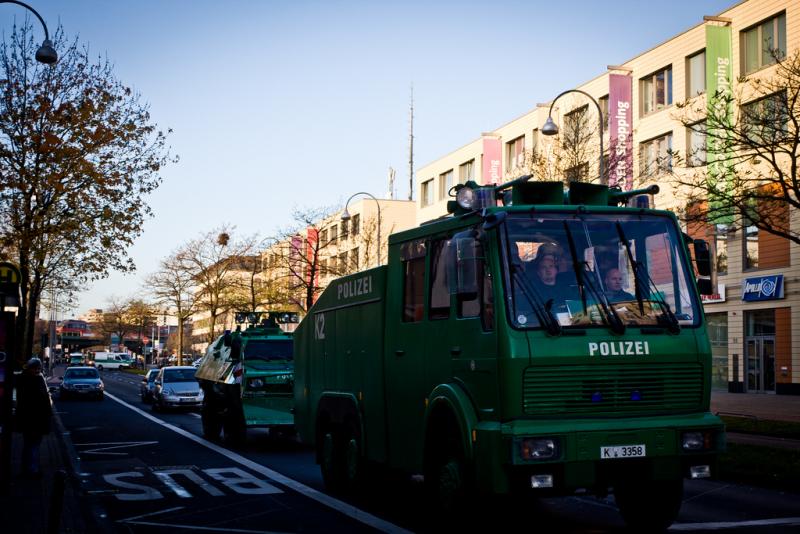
<point>332,247</point>
<point>754,321</point>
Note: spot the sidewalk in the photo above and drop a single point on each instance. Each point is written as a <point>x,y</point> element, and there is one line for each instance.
<point>757,405</point>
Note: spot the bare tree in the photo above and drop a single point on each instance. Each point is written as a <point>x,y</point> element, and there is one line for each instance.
<point>173,286</point>
<point>753,132</point>
<point>116,319</point>
<point>214,260</point>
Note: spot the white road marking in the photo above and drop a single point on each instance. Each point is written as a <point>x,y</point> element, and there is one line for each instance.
<point>104,448</point>
<point>195,527</point>
<point>174,509</point>
<point>720,525</point>
<point>322,498</point>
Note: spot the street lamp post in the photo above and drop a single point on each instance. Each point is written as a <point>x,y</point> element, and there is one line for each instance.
<point>46,53</point>
<point>346,217</point>
<point>550,127</point>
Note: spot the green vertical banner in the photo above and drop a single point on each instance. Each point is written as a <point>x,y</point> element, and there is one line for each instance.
<point>719,91</point>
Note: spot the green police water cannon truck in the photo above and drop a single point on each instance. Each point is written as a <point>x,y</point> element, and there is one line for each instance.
<point>494,355</point>
<point>247,377</point>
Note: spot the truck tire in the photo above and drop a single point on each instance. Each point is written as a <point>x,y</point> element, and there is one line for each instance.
<point>447,481</point>
<point>352,458</point>
<point>331,459</point>
<point>212,424</point>
<point>649,507</point>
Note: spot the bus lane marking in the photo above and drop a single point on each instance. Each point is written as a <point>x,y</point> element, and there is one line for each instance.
<point>322,498</point>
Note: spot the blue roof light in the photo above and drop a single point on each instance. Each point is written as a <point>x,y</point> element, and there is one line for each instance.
<point>636,395</point>
<point>597,397</point>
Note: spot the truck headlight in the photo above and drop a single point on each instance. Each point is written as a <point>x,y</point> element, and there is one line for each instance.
<point>256,383</point>
<point>538,448</point>
<point>697,440</point>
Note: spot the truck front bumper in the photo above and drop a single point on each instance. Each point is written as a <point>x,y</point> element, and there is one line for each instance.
<point>594,454</point>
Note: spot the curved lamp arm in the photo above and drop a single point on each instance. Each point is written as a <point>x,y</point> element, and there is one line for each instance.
<point>46,53</point>
<point>600,123</point>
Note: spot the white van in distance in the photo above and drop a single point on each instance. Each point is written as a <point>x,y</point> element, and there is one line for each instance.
<point>112,360</point>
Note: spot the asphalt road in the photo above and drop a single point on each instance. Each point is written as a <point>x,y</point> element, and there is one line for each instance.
<point>148,472</point>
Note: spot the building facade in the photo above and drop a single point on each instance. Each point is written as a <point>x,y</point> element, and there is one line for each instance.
<point>754,320</point>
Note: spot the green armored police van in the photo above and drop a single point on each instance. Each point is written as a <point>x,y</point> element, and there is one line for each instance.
<point>537,341</point>
<point>247,377</point>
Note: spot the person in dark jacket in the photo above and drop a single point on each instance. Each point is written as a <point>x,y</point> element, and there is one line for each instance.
<point>33,414</point>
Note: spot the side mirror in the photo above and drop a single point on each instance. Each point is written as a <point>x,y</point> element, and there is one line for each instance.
<point>702,257</point>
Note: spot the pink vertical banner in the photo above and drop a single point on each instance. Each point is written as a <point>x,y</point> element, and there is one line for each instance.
<point>620,130</point>
<point>492,160</point>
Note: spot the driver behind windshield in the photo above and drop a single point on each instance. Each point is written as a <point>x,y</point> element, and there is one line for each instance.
<point>548,278</point>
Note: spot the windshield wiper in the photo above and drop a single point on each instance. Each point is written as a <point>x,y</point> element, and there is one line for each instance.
<point>546,319</point>
<point>640,285</point>
<point>612,317</point>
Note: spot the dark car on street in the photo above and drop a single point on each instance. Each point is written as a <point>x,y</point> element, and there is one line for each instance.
<point>148,386</point>
<point>81,382</point>
<point>176,387</point>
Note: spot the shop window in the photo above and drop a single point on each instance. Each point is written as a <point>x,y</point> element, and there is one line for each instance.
<point>696,74</point>
<point>763,44</point>
<point>655,91</point>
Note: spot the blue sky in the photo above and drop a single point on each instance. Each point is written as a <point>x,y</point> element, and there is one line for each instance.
<point>282,104</point>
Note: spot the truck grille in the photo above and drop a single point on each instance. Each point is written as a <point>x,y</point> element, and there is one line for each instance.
<point>610,389</point>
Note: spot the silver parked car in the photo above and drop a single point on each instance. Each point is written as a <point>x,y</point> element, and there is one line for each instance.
<point>176,386</point>
<point>148,385</point>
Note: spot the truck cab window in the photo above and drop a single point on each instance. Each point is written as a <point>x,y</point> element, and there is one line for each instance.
<point>412,256</point>
<point>439,303</point>
<point>482,305</point>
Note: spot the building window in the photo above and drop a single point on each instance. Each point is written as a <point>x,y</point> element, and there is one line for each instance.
<point>696,74</point>
<point>466,172</point>
<point>721,247</point>
<point>515,153</point>
<point>656,91</point>
<point>534,140</point>
<point>763,43</point>
<point>332,234</point>
<point>426,193</point>
<point>323,237</point>
<point>751,247</point>
<point>604,111</point>
<point>696,144</point>
<point>578,173</point>
<point>765,121</point>
<point>355,224</point>
<point>655,155</point>
<point>718,335</point>
<point>354,258</point>
<point>343,267</point>
<point>445,183</point>
<point>575,125</point>
<point>345,230</point>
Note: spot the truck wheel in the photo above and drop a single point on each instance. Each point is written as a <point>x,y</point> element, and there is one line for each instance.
<point>446,477</point>
<point>212,426</point>
<point>332,465</point>
<point>649,507</point>
<point>352,460</point>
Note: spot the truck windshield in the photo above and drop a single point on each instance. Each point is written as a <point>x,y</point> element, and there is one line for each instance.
<point>597,270</point>
<point>268,350</point>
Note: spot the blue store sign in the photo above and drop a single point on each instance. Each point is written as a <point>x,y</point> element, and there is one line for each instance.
<point>762,288</point>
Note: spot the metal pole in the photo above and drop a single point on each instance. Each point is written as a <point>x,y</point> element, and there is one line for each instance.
<point>600,121</point>
<point>379,217</point>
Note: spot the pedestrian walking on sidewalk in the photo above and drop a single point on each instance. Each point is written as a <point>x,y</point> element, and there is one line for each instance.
<point>33,414</point>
